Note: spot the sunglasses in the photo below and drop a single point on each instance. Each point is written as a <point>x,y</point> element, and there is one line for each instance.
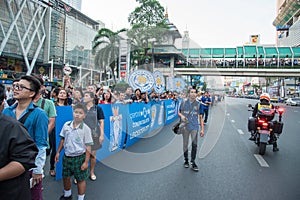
<point>21,87</point>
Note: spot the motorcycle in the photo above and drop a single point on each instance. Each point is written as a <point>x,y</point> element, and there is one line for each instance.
<point>263,128</point>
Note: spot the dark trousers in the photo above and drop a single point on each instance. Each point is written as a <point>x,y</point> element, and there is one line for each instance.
<point>36,191</point>
<point>205,115</point>
<point>273,139</point>
<point>52,142</point>
<point>194,136</point>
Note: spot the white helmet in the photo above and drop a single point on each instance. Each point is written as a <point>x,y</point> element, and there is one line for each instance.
<point>265,96</point>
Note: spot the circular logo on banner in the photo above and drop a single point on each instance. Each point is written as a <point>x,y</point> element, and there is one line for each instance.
<point>159,82</point>
<point>141,79</point>
<point>179,84</point>
<point>67,70</point>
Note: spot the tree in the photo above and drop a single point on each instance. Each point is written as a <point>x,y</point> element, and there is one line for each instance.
<point>106,48</point>
<point>255,88</point>
<point>149,13</point>
<point>148,25</point>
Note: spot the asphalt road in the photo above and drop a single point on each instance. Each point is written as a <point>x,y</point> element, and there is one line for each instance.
<point>229,164</point>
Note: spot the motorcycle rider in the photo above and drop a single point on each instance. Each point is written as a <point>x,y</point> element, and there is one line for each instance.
<point>264,102</point>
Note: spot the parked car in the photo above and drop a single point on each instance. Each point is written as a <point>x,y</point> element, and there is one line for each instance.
<point>293,101</point>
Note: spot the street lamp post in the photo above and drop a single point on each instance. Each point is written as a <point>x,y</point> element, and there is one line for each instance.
<point>51,70</point>
<point>153,62</point>
<point>152,41</point>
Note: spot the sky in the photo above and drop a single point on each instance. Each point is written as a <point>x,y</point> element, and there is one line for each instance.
<point>211,23</point>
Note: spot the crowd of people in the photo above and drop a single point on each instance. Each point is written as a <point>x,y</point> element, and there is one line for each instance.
<point>34,106</point>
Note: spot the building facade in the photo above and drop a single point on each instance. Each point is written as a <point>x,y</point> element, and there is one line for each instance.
<point>287,23</point>
<point>42,37</point>
<point>74,3</point>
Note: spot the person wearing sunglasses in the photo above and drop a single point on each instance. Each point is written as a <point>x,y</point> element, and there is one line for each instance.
<point>36,123</point>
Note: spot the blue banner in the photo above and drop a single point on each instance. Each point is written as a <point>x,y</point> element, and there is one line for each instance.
<point>114,129</point>
<point>138,122</point>
<point>159,82</point>
<point>124,124</point>
<point>157,115</point>
<point>64,114</point>
<point>171,108</point>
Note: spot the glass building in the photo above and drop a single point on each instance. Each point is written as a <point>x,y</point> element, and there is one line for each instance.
<point>42,37</point>
<point>23,35</point>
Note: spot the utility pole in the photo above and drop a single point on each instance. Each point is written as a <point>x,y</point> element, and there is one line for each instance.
<point>51,70</point>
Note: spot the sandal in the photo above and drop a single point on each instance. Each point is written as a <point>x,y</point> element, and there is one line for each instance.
<point>52,172</point>
<point>93,177</point>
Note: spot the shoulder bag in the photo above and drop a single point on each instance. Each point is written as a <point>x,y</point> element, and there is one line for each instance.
<point>177,128</point>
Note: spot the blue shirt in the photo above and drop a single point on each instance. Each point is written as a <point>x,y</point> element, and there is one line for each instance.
<point>37,127</point>
<point>204,101</point>
<point>187,107</point>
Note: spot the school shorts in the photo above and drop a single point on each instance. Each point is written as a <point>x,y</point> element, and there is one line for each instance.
<point>72,166</point>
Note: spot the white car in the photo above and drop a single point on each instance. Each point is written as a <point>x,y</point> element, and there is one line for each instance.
<point>293,101</point>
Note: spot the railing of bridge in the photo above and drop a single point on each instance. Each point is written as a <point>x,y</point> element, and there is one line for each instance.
<point>243,57</point>
<point>248,63</point>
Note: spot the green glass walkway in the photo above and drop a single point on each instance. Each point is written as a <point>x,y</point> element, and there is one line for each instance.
<point>245,56</point>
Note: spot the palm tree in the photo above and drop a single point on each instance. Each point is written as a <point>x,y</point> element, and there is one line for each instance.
<point>106,48</point>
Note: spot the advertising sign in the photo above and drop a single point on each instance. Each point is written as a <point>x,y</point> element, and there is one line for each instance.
<point>123,75</point>
<point>254,39</point>
<point>67,70</point>
<point>123,60</point>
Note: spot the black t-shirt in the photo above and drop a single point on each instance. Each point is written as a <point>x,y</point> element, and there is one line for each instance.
<point>16,145</point>
<point>93,115</point>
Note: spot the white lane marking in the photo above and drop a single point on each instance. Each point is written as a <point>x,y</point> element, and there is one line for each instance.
<point>228,114</point>
<point>296,111</point>
<point>240,132</point>
<point>232,121</point>
<point>261,160</point>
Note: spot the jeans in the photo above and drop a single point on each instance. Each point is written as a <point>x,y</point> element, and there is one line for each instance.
<point>194,136</point>
<point>205,115</point>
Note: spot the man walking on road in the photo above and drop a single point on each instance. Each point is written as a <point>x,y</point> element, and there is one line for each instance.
<point>191,113</point>
<point>205,103</point>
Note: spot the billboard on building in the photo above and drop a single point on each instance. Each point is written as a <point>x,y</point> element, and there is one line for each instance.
<point>254,39</point>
